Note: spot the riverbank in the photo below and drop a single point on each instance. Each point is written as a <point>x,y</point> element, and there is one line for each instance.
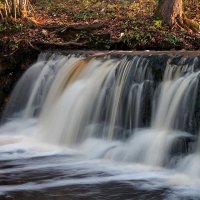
<point>97,25</point>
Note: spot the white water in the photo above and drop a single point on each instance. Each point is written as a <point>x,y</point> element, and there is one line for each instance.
<point>20,149</point>
<point>93,110</point>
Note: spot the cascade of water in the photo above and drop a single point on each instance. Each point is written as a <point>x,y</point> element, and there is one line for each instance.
<point>137,67</point>
<point>31,91</point>
<point>110,98</point>
<point>119,110</point>
<point>172,111</point>
<point>40,87</point>
<point>76,104</point>
<point>190,164</point>
<point>174,95</point>
<point>104,84</point>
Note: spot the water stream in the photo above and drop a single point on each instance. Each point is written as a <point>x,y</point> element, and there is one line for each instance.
<point>103,127</point>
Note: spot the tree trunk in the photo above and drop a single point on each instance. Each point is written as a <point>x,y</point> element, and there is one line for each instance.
<point>14,9</point>
<point>169,10</point>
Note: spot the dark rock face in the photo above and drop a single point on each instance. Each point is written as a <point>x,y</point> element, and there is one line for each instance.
<point>11,69</point>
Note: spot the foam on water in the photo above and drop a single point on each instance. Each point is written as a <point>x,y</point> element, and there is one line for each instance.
<point>21,146</point>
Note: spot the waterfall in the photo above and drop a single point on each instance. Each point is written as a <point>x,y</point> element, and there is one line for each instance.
<point>142,109</point>
<point>30,92</point>
<point>97,96</point>
<point>174,109</point>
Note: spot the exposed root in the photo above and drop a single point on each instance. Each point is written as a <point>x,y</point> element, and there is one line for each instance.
<point>58,45</point>
<point>188,24</point>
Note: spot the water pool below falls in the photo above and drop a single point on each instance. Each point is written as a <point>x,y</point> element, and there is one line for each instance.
<point>103,127</point>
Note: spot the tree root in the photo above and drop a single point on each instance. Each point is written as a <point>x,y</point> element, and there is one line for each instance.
<point>188,24</point>
<point>37,45</point>
<point>78,27</point>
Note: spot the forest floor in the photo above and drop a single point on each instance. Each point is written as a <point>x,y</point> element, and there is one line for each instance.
<point>97,24</point>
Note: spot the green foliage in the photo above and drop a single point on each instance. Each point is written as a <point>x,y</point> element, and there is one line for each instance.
<point>157,23</point>
<point>137,36</point>
<point>2,28</point>
<point>17,25</point>
<point>124,4</point>
<point>12,26</point>
<point>14,45</point>
<point>132,38</point>
<point>107,46</point>
<point>172,39</point>
<point>100,40</point>
<point>84,15</point>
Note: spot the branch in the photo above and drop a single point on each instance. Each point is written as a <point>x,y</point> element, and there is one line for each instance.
<point>55,44</point>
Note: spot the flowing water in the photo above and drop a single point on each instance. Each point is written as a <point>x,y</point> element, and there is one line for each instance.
<point>103,127</point>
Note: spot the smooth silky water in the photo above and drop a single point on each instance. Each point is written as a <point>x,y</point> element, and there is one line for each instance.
<point>103,127</point>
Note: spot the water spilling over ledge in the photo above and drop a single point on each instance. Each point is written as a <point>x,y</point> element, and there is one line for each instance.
<point>142,111</point>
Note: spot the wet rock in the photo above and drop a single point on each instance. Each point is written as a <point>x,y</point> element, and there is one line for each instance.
<point>11,69</point>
